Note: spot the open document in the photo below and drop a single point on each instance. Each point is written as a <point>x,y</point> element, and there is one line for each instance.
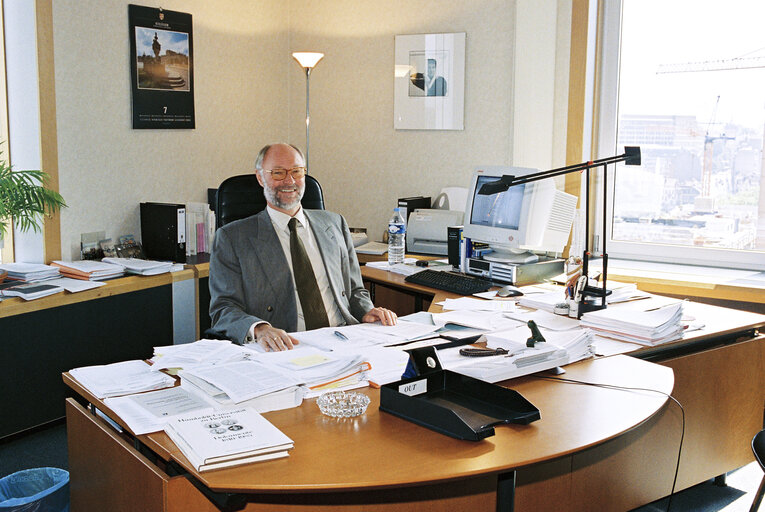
<point>239,381</point>
<point>363,335</point>
<point>149,412</point>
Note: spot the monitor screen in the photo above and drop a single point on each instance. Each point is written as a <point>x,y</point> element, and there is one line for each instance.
<point>498,219</point>
<point>501,210</point>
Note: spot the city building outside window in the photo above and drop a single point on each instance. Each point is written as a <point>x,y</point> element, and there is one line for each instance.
<point>685,81</point>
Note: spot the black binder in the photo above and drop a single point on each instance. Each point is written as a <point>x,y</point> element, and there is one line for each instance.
<point>163,231</point>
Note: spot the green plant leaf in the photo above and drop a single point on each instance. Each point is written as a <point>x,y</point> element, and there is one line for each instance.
<point>25,199</point>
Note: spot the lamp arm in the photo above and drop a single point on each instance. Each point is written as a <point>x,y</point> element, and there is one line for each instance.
<point>632,157</point>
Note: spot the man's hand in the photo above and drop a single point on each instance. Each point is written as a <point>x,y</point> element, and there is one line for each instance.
<point>385,316</point>
<point>272,339</point>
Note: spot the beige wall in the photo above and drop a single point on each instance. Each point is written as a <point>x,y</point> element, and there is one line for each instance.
<point>105,167</point>
<point>249,92</point>
<point>364,164</point>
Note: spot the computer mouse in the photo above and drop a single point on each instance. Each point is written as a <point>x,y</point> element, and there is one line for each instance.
<point>509,291</point>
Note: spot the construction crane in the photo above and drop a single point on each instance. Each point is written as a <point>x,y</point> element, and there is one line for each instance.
<point>713,65</point>
<point>706,173</point>
<point>742,62</point>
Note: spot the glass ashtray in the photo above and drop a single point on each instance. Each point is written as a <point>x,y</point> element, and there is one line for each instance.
<point>342,404</point>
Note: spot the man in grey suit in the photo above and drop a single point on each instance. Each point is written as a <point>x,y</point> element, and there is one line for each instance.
<point>286,269</point>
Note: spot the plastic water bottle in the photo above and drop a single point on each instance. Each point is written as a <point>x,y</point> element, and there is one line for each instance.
<point>396,238</point>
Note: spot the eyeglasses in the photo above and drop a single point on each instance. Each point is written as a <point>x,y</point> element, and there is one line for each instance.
<point>279,174</point>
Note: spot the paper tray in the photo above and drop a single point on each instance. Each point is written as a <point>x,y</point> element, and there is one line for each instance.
<point>456,405</point>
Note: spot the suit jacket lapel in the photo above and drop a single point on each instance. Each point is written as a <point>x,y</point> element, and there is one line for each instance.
<point>328,245</point>
<point>269,254</point>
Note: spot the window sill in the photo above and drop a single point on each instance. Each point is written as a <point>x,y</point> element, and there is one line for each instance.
<point>691,281</point>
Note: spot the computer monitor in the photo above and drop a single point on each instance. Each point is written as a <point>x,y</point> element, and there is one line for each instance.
<point>534,216</point>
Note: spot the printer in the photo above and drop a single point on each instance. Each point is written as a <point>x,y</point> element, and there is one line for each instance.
<point>426,231</point>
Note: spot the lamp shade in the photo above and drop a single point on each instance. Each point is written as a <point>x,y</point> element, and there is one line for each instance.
<point>308,59</point>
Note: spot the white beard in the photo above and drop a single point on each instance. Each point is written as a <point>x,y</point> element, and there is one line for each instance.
<point>273,198</point>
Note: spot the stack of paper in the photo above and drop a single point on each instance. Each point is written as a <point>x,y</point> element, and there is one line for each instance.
<point>544,301</point>
<point>520,361</point>
<point>89,270</point>
<point>318,370</point>
<point>29,272</point>
<point>363,335</point>
<point>576,342</point>
<point>407,268</point>
<point>120,378</point>
<point>239,381</point>
<point>631,323</point>
<point>202,352</point>
<point>217,439</point>
<point>144,267</point>
<point>471,304</point>
<point>28,291</point>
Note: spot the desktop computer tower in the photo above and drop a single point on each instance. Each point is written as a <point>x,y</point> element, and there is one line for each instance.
<point>163,231</point>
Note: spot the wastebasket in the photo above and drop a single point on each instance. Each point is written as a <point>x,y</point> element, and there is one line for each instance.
<point>35,490</point>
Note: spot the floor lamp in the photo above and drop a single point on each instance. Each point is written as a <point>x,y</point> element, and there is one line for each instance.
<point>307,61</point>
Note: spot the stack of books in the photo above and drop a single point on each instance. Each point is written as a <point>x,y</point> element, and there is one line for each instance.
<point>89,270</point>
<point>651,326</point>
<point>30,272</point>
<point>217,439</point>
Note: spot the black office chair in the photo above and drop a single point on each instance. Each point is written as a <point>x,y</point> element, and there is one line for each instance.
<point>241,196</point>
<point>758,447</point>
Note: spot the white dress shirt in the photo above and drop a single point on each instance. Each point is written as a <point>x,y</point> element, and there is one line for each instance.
<point>280,221</point>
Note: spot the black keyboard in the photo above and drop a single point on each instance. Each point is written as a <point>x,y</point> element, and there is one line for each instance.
<point>450,282</point>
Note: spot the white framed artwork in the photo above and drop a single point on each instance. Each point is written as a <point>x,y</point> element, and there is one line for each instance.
<point>429,82</point>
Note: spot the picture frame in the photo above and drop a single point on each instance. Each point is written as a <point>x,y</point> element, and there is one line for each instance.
<point>429,82</point>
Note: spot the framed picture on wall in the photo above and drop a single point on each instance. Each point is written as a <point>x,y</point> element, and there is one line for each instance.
<point>161,68</point>
<point>429,82</point>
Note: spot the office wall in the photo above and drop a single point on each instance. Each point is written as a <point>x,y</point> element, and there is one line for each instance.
<point>250,92</point>
<point>106,168</point>
<point>362,162</point>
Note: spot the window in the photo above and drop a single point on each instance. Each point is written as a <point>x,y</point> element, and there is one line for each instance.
<point>6,245</point>
<point>685,81</point>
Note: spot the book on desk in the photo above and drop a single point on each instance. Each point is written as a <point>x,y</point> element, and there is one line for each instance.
<point>217,439</point>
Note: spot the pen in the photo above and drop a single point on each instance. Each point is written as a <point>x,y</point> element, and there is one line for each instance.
<point>341,336</point>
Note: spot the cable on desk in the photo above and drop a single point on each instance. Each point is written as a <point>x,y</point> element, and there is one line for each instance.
<point>628,388</point>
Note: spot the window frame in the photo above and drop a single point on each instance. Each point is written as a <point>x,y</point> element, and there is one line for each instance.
<point>606,132</point>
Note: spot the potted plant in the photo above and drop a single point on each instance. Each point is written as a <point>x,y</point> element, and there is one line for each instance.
<point>24,199</point>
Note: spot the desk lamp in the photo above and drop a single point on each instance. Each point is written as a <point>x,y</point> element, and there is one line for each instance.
<point>631,156</point>
<point>307,61</point>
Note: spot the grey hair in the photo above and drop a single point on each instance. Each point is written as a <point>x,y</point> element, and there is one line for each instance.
<point>264,151</point>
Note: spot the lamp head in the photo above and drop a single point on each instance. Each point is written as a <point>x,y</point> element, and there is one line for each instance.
<point>497,186</point>
<point>308,60</point>
<point>632,154</point>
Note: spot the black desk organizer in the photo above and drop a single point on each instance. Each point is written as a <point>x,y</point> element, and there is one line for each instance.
<point>455,404</point>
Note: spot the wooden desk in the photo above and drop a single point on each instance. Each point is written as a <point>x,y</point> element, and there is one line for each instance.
<point>719,379</point>
<point>121,320</point>
<point>375,462</point>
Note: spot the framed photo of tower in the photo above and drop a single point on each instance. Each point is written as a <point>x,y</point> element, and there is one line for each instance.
<point>161,68</point>
<point>429,83</point>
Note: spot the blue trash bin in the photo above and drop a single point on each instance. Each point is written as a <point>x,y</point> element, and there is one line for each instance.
<point>35,490</point>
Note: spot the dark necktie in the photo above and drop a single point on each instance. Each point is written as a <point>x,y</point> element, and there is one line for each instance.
<point>314,313</point>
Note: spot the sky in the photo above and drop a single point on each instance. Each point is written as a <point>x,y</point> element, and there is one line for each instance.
<point>176,41</point>
<point>678,31</point>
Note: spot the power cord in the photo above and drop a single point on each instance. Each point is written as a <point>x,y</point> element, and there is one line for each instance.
<point>628,388</point>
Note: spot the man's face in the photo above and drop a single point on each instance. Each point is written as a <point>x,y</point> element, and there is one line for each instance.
<point>431,68</point>
<point>284,195</point>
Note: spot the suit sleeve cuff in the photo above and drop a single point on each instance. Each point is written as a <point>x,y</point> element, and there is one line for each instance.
<point>250,337</point>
